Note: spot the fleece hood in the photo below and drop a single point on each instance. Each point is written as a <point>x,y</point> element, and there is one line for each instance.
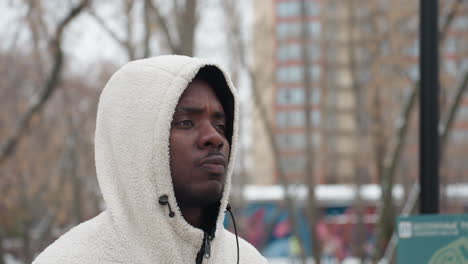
<point>132,148</point>
<point>133,169</point>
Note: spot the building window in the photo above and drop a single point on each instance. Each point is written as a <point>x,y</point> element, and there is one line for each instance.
<point>288,96</point>
<point>464,65</point>
<point>288,30</point>
<point>315,95</point>
<point>461,48</point>
<point>413,72</point>
<point>460,23</point>
<point>463,113</point>
<point>296,118</point>
<point>450,45</point>
<point>459,136</point>
<point>313,8</point>
<point>293,9</point>
<point>288,9</point>
<point>296,96</point>
<point>291,141</point>
<point>315,71</point>
<point>282,119</point>
<point>313,51</point>
<point>293,163</point>
<point>290,51</point>
<point>315,117</point>
<point>296,141</point>
<point>413,49</point>
<point>315,137</point>
<point>288,119</point>
<point>450,67</point>
<point>290,74</point>
<point>314,29</point>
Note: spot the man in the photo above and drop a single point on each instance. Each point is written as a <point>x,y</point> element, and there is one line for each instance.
<point>165,142</point>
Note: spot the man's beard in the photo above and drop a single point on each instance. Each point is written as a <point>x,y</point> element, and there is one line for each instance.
<point>197,199</point>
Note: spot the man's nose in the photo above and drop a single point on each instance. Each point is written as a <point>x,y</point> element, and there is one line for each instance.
<point>210,137</point>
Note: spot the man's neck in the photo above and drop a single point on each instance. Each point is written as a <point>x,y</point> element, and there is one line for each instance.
<point>193,215</point>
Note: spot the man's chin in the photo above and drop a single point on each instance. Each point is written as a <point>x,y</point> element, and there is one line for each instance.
<point>201,194</point>
<point>209,193</point>
<point>213,191</point>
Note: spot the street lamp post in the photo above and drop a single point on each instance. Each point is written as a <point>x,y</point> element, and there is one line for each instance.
<point>429,107</point>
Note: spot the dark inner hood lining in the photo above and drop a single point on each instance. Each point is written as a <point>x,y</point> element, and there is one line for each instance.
<point>215,78</point>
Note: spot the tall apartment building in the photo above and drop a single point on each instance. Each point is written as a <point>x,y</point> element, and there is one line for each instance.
<point>289,106</point>
<point>332,141</point>
<point>341,55</point>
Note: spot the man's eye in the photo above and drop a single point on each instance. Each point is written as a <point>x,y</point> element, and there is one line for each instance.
<point>185,123</point>
<point>221,128</point>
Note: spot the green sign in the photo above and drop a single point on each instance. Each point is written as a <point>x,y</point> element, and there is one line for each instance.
<point>433,239</point>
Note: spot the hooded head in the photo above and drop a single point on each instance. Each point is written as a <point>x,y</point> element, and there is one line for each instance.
<point>199,146</point>
<point>138,135</point>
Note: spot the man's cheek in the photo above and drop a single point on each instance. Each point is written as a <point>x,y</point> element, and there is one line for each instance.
<point>227,153</point>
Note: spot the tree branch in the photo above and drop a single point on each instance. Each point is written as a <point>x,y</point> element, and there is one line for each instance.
<point>239,50</point>
<point>186,27</point>
<point>390,170</point>
<point>50,85</point>
<point>448,20</point>
<point>164,27</point>
<point>106,28</point>
<point>129,28</point>
<point>449,120</point>
<point>148,29</point>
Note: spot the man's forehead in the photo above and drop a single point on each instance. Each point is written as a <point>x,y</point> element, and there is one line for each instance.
<point>195,108</point>
<point>199,95</point>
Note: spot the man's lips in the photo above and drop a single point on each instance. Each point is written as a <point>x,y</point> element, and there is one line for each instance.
<point>214,164</point>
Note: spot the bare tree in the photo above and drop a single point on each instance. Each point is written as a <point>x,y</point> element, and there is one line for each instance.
<point>49,86</point>
<point>174,30</point>
<point>361,119</point>
<point>387,213</point>
<point>309,175</point>
<point>239,51</point>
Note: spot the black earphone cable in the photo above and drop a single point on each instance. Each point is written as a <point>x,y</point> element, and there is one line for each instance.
<point>228,208</point>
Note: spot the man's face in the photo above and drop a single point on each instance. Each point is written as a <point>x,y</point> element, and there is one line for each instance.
<point>199,150</point>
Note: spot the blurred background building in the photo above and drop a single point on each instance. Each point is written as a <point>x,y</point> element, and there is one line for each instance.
<point>347,56</point>
<point>350,66</point>
<point>331,95</point>
<point>362,60</point>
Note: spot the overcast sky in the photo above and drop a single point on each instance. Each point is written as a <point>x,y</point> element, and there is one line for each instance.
<point>86,43</point>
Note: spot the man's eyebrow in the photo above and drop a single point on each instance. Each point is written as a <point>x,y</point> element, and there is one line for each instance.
<point>197,110</point>
<point>189,109</point>
<point>219,114</point>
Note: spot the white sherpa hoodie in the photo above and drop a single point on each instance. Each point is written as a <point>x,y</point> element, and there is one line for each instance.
<point>132,162</point>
